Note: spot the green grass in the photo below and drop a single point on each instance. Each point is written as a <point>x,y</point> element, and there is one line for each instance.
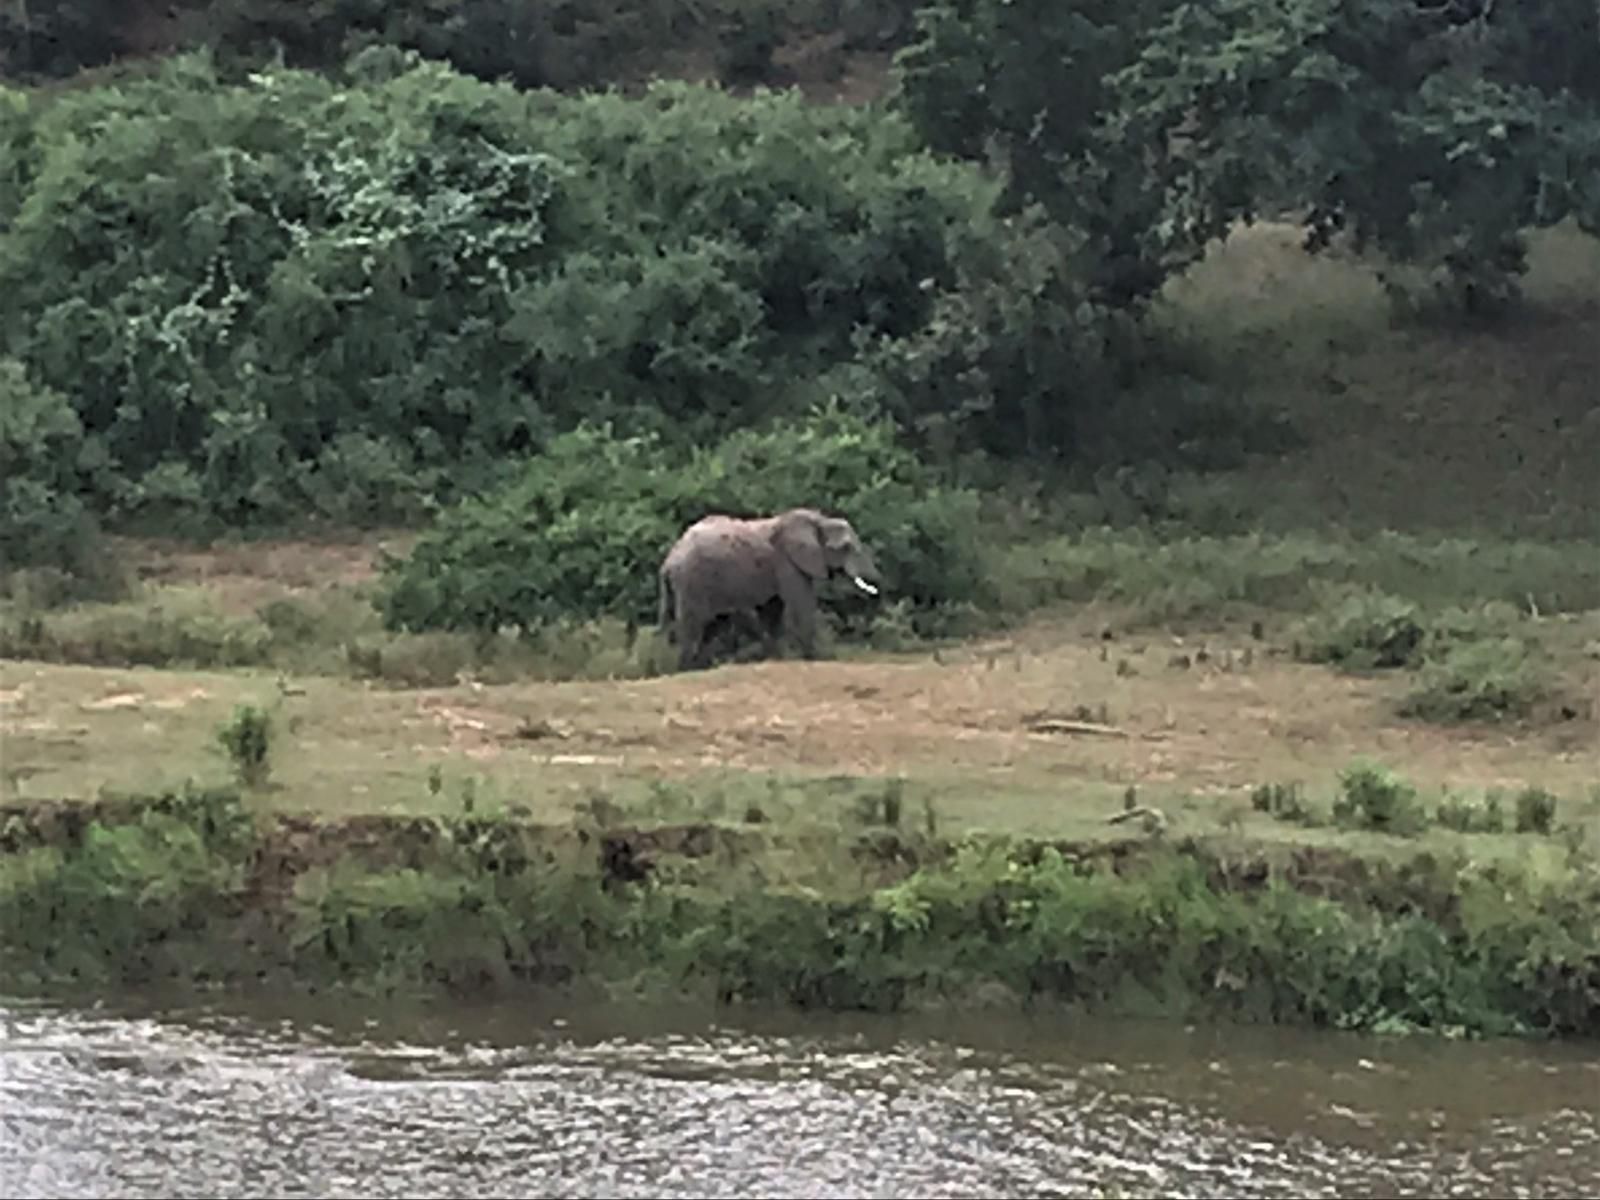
<point>1422,428</point>
<point>193,885</point>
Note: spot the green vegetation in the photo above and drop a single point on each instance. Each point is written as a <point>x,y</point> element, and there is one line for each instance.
<point>1374,797</point>
<point>564,45</point>
<point>386,285</point>
<point>577,533</point>
<point>247,739</point>
<point>189,885</point>
<point>358,266</point>
<point>1436,134</point>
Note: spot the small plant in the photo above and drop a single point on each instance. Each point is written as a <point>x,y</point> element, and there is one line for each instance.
<point>247,739</point>
<point>1366,630</point>
<point>1465,816</point>
<point>882,806</point>
<point>1374,797</point>
<point>1536,810</point>
<point>1494,813</point>
<point>1477,681</point>
<point>1284,801</point>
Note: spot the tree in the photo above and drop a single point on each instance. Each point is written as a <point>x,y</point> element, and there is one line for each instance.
<point>1425,130</point>
<point>1434,130</point>
<point>1024,84</point>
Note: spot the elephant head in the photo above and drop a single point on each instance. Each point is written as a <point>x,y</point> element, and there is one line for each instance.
<point>818,545</point>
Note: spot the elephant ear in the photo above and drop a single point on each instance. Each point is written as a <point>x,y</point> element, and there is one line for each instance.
<point>798,539</point>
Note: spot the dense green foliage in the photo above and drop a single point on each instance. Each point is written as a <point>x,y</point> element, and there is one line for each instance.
<point>241,297</point>
<point>1029,84</point>
<point>1434,132</point>
<point>583,527</point>
<point>547,43</point>
<point>44,464</point>
<point>353,298</point>
<point>469,902</point>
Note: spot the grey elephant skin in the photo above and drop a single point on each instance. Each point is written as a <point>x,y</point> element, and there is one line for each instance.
<point>751,570</point>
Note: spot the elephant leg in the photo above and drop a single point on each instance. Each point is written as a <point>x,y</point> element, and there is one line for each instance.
<point>769,624</point>
<point>690,632</point>
<point>799,609</point>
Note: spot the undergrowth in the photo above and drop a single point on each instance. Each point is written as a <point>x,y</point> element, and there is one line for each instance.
<point>1372,797</point>
<point>1451,615</point>
<point>1440,943</point>
<point>1471,663</point>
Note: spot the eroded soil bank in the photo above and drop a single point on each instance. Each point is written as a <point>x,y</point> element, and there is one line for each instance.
<point>198,887</point>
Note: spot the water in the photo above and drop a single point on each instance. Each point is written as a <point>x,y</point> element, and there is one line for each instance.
<point>172,1099</point>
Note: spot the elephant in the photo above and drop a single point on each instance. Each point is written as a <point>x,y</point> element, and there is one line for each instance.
<point>757,569</point>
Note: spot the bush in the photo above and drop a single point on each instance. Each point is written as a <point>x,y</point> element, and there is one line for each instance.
<point>1367,629</point>
<point>1374,797</point>
<point>583,529</point>
<point>1479,681</point>
<point>386,285</point>
<point>246,738</point>
<point>1536,810</point>
<point>43,460</point>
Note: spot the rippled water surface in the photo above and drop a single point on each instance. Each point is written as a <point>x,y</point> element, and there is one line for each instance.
<point>179,1100</point>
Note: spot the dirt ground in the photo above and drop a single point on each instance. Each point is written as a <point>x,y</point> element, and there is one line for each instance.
<point>1043,730</point>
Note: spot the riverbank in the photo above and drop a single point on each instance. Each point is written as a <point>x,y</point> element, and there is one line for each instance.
<point>200,888</point>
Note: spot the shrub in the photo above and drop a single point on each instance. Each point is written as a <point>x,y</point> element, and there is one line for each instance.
<point>247,739</point>
<point>386,285</point>
<point>1536,810</point>
<point>581,531</point>
<point>43,520</point>
<point>1367,629</point>
<point>1374,797</point>
<point>1478,681</point>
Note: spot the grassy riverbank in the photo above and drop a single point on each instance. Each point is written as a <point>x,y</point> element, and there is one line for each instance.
<point>879,917</point>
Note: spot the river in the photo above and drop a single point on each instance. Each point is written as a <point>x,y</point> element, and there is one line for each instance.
<point>172,1097</point>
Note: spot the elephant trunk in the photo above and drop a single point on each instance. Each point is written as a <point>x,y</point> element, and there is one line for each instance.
<point>862,570</point>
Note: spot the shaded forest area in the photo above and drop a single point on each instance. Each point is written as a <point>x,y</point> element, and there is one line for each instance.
<point>563,45</point>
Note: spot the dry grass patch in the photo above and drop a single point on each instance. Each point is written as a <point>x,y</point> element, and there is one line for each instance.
<point>1042,732</point>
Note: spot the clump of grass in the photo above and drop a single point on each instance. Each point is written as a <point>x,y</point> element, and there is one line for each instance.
<point>336,630</point>
<point>1487,680</point>
<point>1467,816</point>
<point>1473,664</point>
<point>1373,797</point>
<point>600,649</point>
<point>1533,810</point>
<point>40,589</point>
<point>882,806</point>
<point>1285,802</point>
<point>1536,810</point>
<point>246,738</point>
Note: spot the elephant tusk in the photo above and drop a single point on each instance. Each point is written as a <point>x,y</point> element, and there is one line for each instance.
<point>864,585</point>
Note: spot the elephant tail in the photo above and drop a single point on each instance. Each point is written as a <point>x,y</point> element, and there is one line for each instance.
<point>664,604</point>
